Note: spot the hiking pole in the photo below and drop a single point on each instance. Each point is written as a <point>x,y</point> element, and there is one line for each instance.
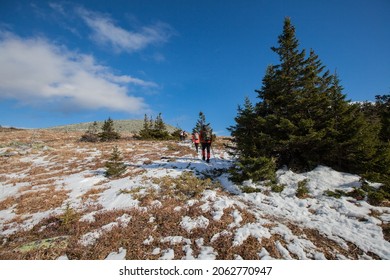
<point>212,151</point>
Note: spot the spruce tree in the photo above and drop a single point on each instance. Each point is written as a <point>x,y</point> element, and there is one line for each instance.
<point>286,119</point>
<point>160,130</point>
<point>115,165</point>
<point>351,141</point>
<point>307,114</point>
<point>154,129</point>
<point>244,130</point>
<point>285,78</point>
<point>200,122</point>
<point>252,161</point>
<point>151,125</point>
<point>145,132</point>
<point>378,114</point>
<point>383,107</point>
<point>108,131</point>
<point>302,119</point>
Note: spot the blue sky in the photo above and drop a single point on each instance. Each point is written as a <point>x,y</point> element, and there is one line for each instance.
<point>65,62</point>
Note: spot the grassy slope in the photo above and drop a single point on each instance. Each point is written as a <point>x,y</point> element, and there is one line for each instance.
<point>144,210</point>
<point>132,126</point>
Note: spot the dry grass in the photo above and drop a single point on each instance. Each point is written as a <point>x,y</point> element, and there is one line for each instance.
<point>386,231</point>
<point>328,247</point>
<point>13,165</point>
<point>40,201</point>
<point>184,187</point>
<point>93,194</point>
<point>155,225</point>
<point>36,201</point>
<point>163,202</point>
<point>65,156</point>
<point>7,203</point>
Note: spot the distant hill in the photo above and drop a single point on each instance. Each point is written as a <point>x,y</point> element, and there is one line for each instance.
<point>7,129</point>
<point>131,126</point>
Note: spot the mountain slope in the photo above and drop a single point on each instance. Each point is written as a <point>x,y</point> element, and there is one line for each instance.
<point>56,203</point>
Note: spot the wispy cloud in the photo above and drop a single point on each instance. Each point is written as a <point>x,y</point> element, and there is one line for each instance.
<point>106,32</point>
<point>58,8</point>
<point>37,72</point>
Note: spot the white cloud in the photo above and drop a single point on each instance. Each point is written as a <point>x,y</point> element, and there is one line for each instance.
<point>36,72</point>
<point>131,80</point>
<point>105,31</point>
<point>58,8</point>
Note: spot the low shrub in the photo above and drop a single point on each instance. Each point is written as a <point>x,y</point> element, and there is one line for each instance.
<point>335,194</point>
<point>277,188</point>
<point>257,169</point>
<point>357,193</point>
<point>248,189</point>
<point>302,190</point>
<point>375,198</point>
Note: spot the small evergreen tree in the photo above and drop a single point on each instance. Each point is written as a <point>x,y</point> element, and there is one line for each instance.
<point>252,162</point>
<point>254,168</point>
<point>108,131</point>
<point>199,123</point>
<point>145,132</point>
<point>176,133</point>
<point>154,129</point>
<point>160,130</point>
<point>115,166</point>
<point>245,129</point>
<point>151,124</point>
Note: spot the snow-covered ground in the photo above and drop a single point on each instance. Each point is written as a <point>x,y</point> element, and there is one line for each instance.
<point>283,225</point>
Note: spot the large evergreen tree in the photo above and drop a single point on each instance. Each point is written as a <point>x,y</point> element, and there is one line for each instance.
<point>302,118</point>
<point>383,105</point>
<point>377,116</point>
<point>292,104</point>
<point>351,141</point>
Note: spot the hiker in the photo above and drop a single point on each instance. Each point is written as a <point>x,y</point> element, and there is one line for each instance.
<point>206,135</point>
<point>196,140</point>
<point>181,135</point>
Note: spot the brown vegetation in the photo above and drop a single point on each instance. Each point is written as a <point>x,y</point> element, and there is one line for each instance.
<point>36,163</point>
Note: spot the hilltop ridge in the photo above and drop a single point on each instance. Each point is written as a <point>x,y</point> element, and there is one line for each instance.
<point>132,126</point>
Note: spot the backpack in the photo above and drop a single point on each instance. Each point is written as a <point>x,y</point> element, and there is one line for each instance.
<point>196,136</point>
<point>207,134</point>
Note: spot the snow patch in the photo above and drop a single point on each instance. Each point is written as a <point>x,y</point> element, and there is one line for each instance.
<point>189,224</point>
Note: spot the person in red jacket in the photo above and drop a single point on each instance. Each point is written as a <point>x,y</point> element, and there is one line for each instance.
<point>196,140</point>
<point>206,137</point>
